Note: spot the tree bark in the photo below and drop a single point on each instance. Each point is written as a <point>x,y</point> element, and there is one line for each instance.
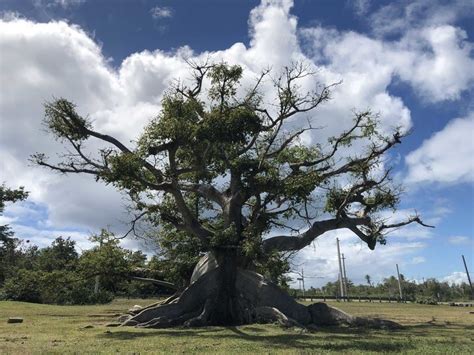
<point>227,306</point>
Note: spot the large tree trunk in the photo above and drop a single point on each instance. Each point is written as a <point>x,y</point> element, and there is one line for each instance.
<point>228,308</point>
<point>221,293</point>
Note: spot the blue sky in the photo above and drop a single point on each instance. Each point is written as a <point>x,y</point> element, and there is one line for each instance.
<point>412,61</point>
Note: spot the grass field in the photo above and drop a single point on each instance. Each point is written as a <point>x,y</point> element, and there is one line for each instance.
<point>63,329</point>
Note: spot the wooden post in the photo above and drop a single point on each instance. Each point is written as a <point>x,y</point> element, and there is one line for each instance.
<point>302,279</point>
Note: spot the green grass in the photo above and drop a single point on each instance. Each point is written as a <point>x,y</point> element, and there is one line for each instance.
<point>61,329</point>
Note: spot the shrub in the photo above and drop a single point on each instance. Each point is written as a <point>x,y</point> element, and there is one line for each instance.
<point>57,287</point>
<point>24,286</point>
<point>426,300</point>
<point>3,296</point>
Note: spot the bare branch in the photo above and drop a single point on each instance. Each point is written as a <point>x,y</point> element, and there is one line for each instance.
<point>412,219</point>
<point>287,243</point>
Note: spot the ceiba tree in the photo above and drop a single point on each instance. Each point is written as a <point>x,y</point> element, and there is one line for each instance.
<point>221,169</point>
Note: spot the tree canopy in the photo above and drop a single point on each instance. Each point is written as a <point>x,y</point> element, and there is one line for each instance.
<point>226,168</point>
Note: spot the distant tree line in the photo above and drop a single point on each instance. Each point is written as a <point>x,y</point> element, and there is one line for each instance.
<point>430,291</point>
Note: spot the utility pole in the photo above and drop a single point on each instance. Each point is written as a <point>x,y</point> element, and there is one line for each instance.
<point>302,279</point>
<point>97,277</point>
<point>399,284</point>
<point>468,277</point>
<point>345,276</point>
<point>341,276</point>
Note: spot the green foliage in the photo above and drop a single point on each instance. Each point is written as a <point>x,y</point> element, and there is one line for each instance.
<point>107,260</point>
<point>124,171</point>
<point>56,287</point>
<point>179,254</point>
<point>24,286</point>
<point>274,267</point>
<point>177,121</point>
<point>11,195</point>
<point>57,274</point>
<point>61,255</point>
<point>8,244</point>
<point>230,128</point>
<point>224,81</point>
<point>62,120</point>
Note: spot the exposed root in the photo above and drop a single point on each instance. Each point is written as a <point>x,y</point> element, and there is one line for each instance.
<point>323,315</point>
<point>203,317</point>
<point>257,300</point>
<point>271,314</point>
<point>263,293</point>
<point>166,322</point>
<point>375,323</point>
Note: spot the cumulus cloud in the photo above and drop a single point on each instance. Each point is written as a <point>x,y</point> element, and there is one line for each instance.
<point>443,72</point>
<point>40,61</point>
<point>435,61</point>
<point>447,156</point>
<point>398,16</point>
<point>456,278</point>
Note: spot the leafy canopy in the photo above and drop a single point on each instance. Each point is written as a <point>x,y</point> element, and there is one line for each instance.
<point>220,168</point>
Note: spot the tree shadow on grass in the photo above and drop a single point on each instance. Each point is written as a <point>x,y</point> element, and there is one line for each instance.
<point>350,342</point>
<point>281,341</point>
<point>337,339</point>
<point>177,332</point>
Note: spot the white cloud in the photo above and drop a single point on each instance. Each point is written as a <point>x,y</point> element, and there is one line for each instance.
<point>40,61</point>
<point>460,240</point>
<point>456,278</point>
<point>446,157</point>
<point>159,12</point>
<point>435,61</point>
<point>418,260</point>
<point>65,4</point>
<point>399,16</point>
<point>361,7</point>
<point>441,73</point>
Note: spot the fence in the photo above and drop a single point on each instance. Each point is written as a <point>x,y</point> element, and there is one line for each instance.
<point>323,298</point>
